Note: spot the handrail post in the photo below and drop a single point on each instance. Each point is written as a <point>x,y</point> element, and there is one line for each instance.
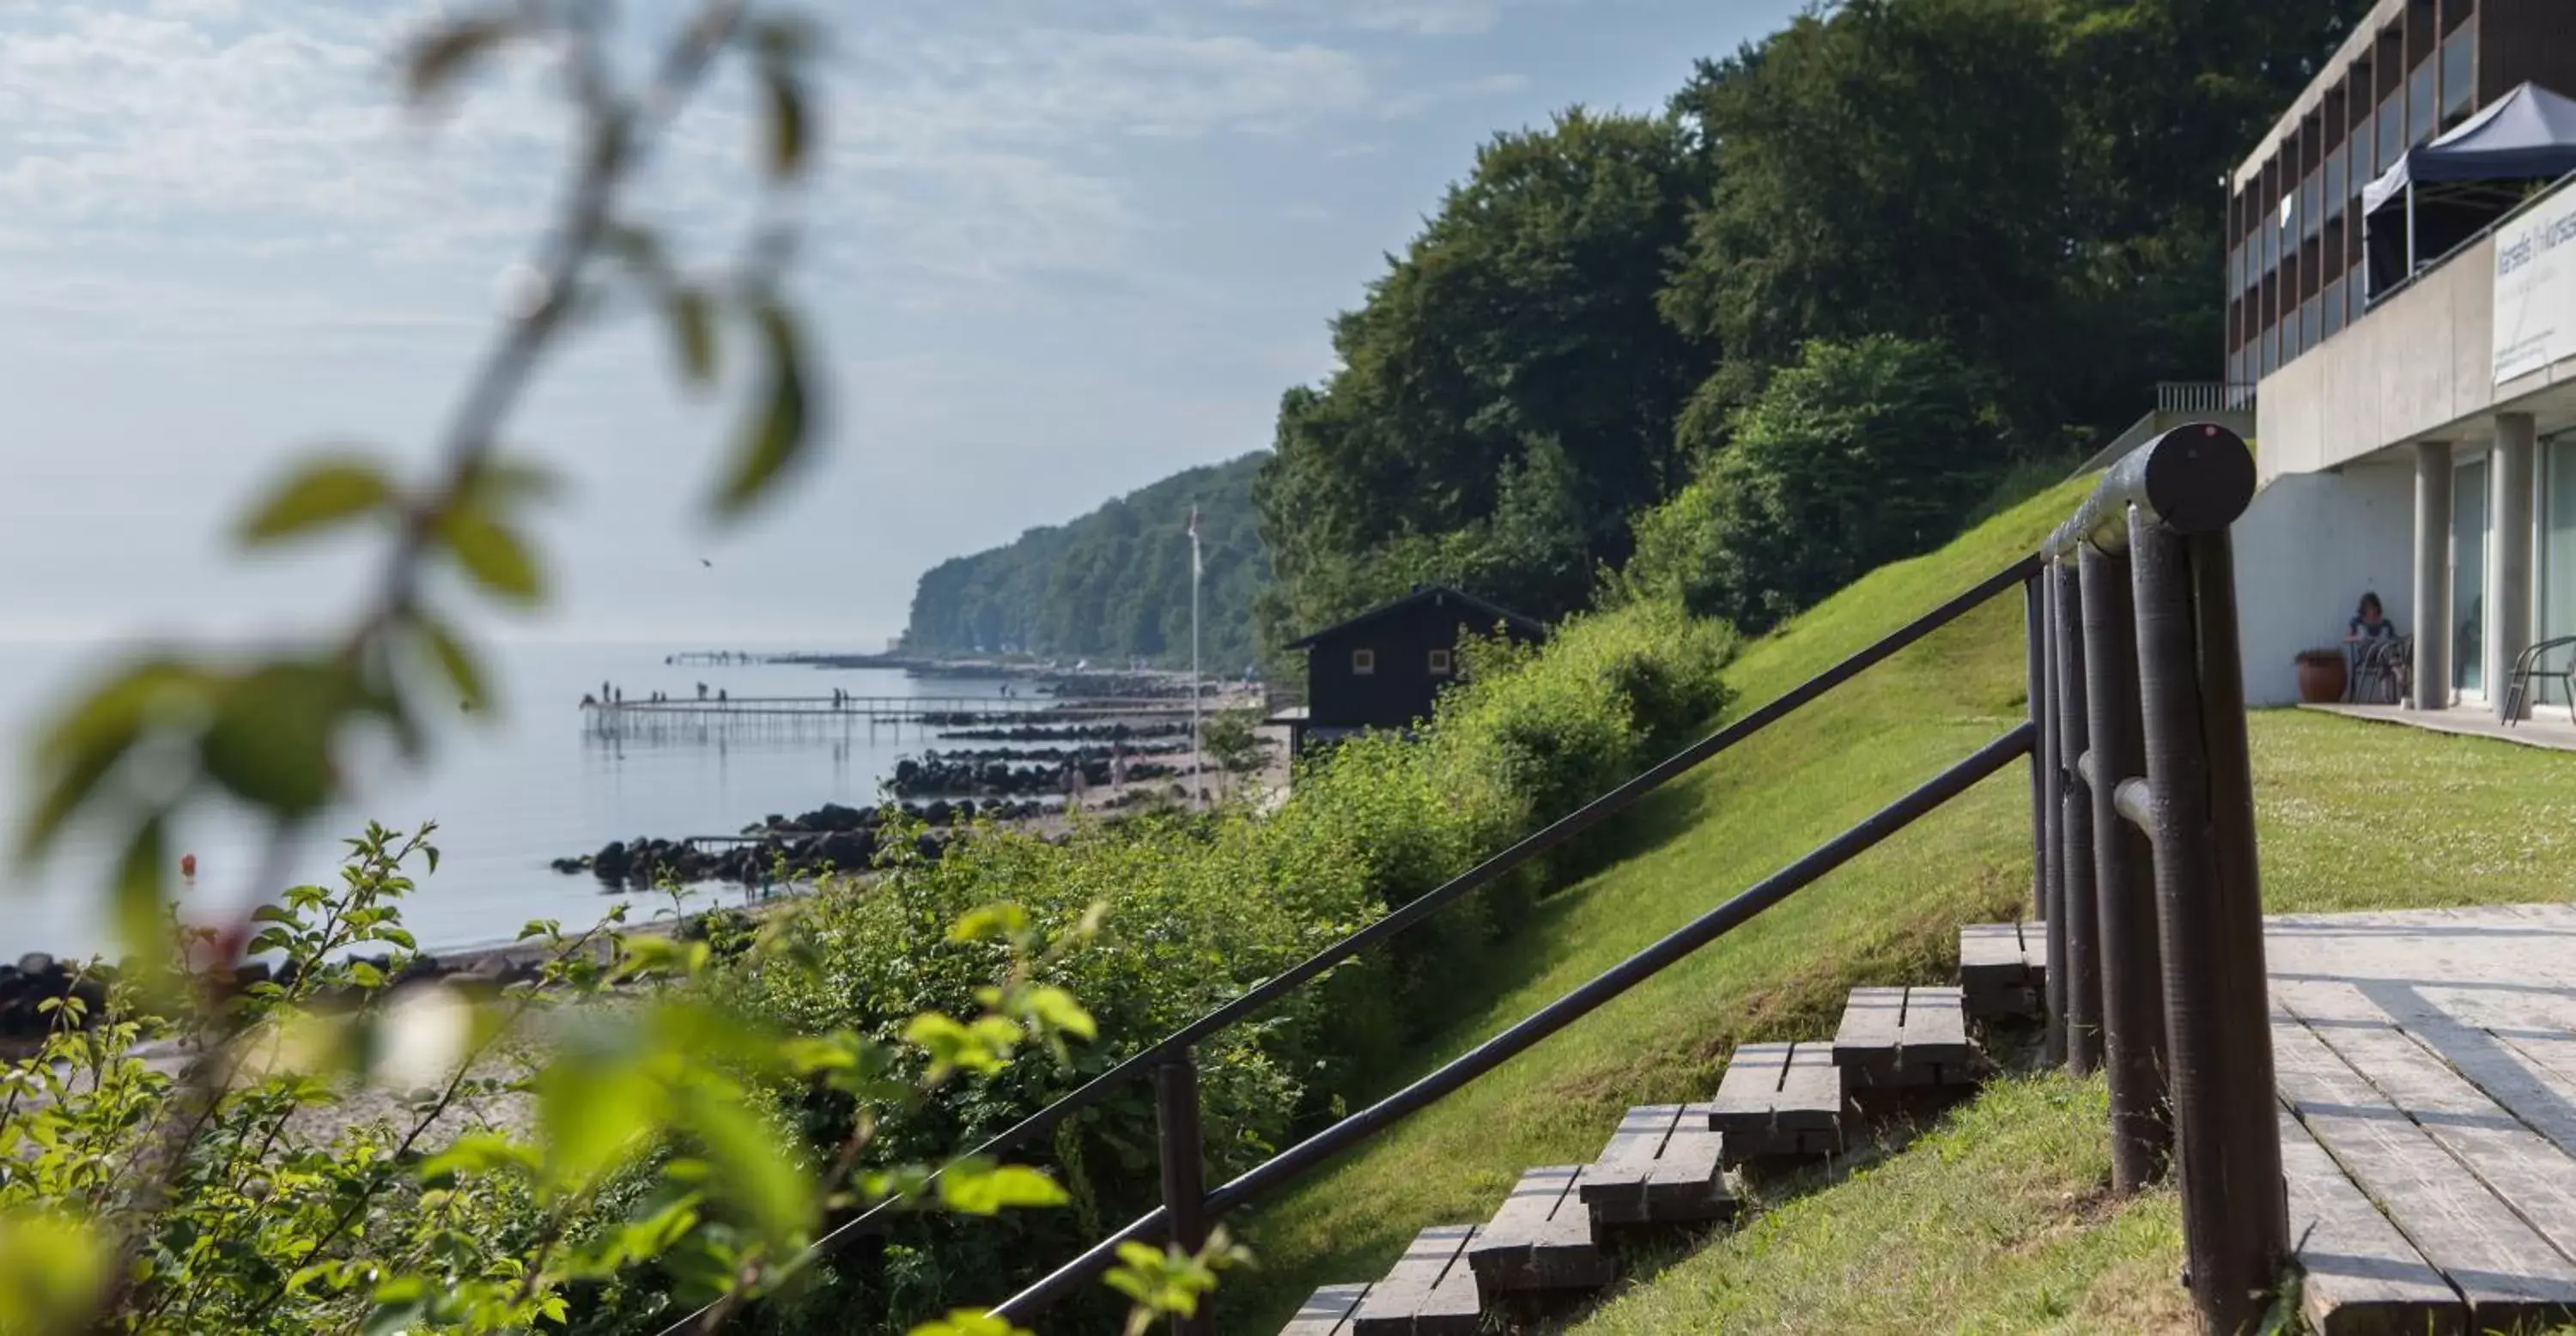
<point>2217,1005</point>
<point>2082,934</point>
<point>2133,1018</point>
<point>2047,825</point>
<point>1183,1150</point>
<point>2035,668</point>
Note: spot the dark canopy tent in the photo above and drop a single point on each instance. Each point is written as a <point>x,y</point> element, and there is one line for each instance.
<point>2443,193</point>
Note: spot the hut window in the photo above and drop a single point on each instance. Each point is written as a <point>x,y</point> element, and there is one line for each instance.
<point>1363,662</point>
<point>1440,663</point>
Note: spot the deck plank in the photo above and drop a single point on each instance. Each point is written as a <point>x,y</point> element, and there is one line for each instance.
<point>2360,1276</point>
<point>1541,1238</point>
<point>1429,1292</point>
<point>2505,1271</point>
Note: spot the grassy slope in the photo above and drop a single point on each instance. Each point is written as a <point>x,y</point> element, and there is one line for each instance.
<point>1889,917</point>
<point>2353,815</point>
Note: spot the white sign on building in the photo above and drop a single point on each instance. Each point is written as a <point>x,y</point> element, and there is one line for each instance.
<point>2535,288</point>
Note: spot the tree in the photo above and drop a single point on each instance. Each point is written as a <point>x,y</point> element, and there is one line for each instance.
<point>1884,167</point>
<point>1863,453</point>
<point>1507,391</point>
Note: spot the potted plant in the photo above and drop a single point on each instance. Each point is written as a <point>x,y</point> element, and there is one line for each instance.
<point>2321,676</point>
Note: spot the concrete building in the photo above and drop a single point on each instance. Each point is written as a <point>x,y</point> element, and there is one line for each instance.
<point>2406,318</point>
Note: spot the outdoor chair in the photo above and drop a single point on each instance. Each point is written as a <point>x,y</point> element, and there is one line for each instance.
<point>2520,688</point>
<point>2382,670</point>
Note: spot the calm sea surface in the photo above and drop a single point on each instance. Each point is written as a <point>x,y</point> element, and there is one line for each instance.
<point>508,796</point>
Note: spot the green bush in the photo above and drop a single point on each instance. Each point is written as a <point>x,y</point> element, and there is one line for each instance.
<point>1199,908</point>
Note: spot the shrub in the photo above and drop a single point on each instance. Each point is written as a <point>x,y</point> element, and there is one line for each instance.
<point>1200,908</point>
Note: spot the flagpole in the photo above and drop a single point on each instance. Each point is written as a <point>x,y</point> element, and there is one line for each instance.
<point>1198,757</point>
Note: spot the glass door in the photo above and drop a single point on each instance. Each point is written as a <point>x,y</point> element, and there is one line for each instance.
<point>2469,578</point>
<point>2558,541</point>
<point>2557,556</point>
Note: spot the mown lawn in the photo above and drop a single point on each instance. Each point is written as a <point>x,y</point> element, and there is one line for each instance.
<point>2353,815</point>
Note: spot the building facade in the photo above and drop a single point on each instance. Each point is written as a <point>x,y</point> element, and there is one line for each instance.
<point>2415,404</point>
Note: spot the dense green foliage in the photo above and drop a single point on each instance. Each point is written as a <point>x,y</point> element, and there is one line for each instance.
<point>1507,393</point>
<point>2018,189</point>
<point>1200,907</point>
<point>1882,443</point>
<point>1113,584</point>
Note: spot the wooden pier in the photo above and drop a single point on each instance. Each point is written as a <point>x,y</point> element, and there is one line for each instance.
<point>689,720</point>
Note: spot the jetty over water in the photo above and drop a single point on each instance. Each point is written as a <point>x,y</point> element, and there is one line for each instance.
<point>808,714</point>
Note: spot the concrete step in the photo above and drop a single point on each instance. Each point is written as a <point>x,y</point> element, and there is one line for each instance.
<point>1904,1037</point>
<point>1542,1238</point>
<point>1779,1099</point>
<point>1661,1167</point>
<point>2003,969</point>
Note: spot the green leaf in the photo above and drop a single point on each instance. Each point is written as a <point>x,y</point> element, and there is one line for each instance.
<point>52,1267</point>
<point>757,1173</point>
<point>463,673</point>
<point>270,742</point>
<point>443,53</point>
<point>366,975</point>
<point>1055,1009</point>
<point>693,329</point>
<point>502,483</point>
<point>594,1109</point>
<point>80,749</point>
<point>1005,921</point>
<point>491,554</point>
<point>139,927</point>
<point>969,1322</point>
<point>321,493</point>
<point>787,120</point>
<point>981,1190</point>
<point>783,429</point>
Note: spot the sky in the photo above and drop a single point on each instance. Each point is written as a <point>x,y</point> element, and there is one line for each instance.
<point>1052,252</point>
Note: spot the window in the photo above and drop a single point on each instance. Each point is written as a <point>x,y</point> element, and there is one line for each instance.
<point>2360,175</point>
<point>2334,308</point>
<point>1439,663</point>
<point>2422,112</point>
<point>2308,334</point>
<point>2392,130</point>
<point>2459,73</point>
<point>1363,662</point>
<point>2334,184</point>
<point>2310,216</point>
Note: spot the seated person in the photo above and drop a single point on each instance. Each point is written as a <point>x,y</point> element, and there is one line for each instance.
<point>2369,623</point>
<point>2365,638</point>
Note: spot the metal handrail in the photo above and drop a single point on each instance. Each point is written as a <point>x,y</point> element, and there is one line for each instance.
<point>2195,479</point>
<point>1181,1041</point>
<point>2015,743</point>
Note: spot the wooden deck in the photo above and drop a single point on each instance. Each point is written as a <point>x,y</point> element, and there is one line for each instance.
<point>2426,1064</point>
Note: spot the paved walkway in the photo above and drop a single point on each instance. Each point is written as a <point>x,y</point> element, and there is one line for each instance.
<point>2427,1070</point>
<point>2550,733</point>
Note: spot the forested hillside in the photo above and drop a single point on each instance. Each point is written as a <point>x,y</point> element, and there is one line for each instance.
<point>1856,278</point>
<point>1112,584</point>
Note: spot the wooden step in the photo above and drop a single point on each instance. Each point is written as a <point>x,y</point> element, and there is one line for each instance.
<point>1327,1312</point>
<point>1542,1238</point>
<point>2003,968</point>
<point>1661,1167</point>
<point>1779,1099</point>
<point>1431,1292</point>
<point>1904,1037</point>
